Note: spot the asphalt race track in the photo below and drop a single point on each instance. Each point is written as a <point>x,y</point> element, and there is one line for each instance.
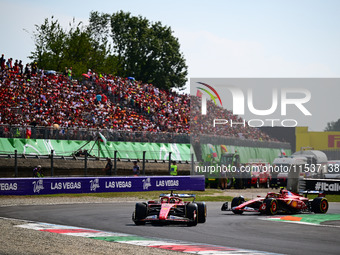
<point>247,231</point>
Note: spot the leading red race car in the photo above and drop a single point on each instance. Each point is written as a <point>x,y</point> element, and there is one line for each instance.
<point>170,208</point>
<point>282,202</point>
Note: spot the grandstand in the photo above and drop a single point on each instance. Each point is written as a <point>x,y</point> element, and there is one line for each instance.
<point>103,101</point>
<point>38,104</point>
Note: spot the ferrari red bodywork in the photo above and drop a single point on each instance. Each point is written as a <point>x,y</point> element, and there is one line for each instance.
<point>282,202</point>
<point>170,209</point>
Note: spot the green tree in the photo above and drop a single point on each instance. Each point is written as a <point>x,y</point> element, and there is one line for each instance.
<point>99,30</point>
<point>119,44</point>
<point>49,39</point>
<point>76,47</point>
<point>333,126</point>
<point>147,51</point>
<point>77,50</point>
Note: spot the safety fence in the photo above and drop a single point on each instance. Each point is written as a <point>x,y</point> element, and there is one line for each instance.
<point>41,186</point>
<point>85,158</point>
<point>56,151</point>
<point>87,134</point>
<point>232,141</point>
<point>99,149</point>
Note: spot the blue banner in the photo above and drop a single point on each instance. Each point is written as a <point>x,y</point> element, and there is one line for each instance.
<point>41,186</point>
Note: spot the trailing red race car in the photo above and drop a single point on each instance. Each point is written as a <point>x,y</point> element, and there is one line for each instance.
<point>260,175</point>
<point>170,208</point>
<point>282,202</point>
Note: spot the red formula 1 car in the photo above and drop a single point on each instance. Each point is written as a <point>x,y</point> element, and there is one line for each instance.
<point>282,202</point>
<point>170,208</point>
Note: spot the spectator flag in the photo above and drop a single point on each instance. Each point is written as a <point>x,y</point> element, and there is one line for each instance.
<point>102,138</point>
<point>224,148</point>
<point>212,150</point>
<point>28,133</point>
<point>283,153</point>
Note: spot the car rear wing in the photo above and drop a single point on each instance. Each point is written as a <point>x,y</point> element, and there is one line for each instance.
<point>178,195</point>
<point>320,193</point>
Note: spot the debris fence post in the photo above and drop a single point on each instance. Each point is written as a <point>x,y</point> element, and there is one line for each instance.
<point>16,163</point>
<point>115,163</point>
<point>85,170</point>
<point>169,163</point>
<point>52,151</point>
<point>192,164</point>
<point>144,152</point>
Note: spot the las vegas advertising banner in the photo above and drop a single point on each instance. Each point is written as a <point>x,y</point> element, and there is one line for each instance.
<point>40,186</point>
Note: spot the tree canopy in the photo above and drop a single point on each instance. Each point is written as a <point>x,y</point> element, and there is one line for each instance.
<point>333,126</point>
<point>117,43</point>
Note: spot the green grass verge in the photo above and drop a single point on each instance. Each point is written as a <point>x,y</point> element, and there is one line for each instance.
<point>330,198</point>
<point>209,195</point>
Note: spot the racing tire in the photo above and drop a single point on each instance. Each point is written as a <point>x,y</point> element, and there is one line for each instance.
<point>236,202</point>
<point>140,213</point>
<point>257,184</point>
<point>191,214</point>
<point>320,205</point>
<point>268,183</point>
<point>202,212</point>
<point>271,206</point>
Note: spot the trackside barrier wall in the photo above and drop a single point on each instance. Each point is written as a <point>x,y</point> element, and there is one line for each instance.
<point>325,185</point>
<point>41,186</point>
<point>125,150</point>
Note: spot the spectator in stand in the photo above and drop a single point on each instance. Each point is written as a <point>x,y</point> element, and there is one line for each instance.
<point>34,69</point>
<point>69,73</point>
<point>89,73</point>
<point>66,71</point>
<point>2,62</point>
<point>21,67</point>
<point>34,123</point>
<point>99,98</point>
<point>27,72</point>
<point>112,102</point>
<point>104,98</point>
<point>16,67</point>
<point>9,64</point>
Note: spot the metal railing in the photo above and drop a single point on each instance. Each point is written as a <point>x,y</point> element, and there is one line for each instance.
<point>85,157</point>
<point>216,140</point>
<point>88,134</point>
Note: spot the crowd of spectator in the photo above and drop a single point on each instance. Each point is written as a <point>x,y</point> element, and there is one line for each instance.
<point>32,97</point>
<point>204,124</point>
<point>38,99</point>
<point>168,110</point>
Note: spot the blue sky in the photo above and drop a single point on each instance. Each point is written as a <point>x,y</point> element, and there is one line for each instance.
<point>218,38</point>
<point>240,38</point>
